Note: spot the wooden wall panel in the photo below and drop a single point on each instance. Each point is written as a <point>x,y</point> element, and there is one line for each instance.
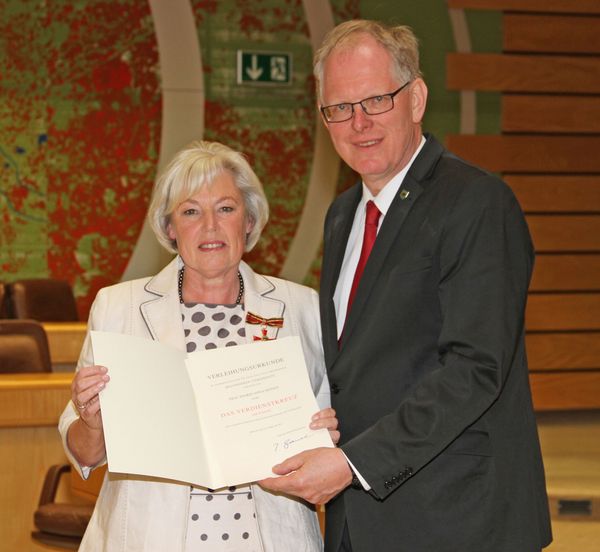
<point>555,6</point>
<point>549,77</point>
<point>26,399</point>
<point>551,33</point>
<point>556,193</point>
<point>566,273</point>
<point>563,351</point>
<point>30,405</point>
<point>542,113</point>
<point>560,351</point>
<point>563,312</point>
<point>556,233</point>
<point>529,154</point>
<point>565,390</point>
<point>523,73</point>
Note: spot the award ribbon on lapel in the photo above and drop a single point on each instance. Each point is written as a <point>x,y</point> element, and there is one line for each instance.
<point>252,318</point>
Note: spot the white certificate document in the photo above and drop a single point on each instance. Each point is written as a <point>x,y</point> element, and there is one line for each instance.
<point>210,418</point>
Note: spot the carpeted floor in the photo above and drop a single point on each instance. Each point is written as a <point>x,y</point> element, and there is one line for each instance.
<point>571,448</point>
<point>575,536</point>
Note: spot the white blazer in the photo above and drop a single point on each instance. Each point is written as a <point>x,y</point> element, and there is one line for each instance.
<point>135,513</point>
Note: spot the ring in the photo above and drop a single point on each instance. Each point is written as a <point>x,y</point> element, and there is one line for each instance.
<point>80,406</point>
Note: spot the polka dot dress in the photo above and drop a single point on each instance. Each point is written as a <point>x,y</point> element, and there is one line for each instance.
<point>210,326</point>
<point>225,520</point>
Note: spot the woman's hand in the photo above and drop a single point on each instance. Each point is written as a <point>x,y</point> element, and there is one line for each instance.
<point>326,419</point>
<point>85,437</point>
<point>88,382</point>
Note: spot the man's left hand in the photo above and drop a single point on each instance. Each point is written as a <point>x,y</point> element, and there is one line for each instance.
<point>316,475</point>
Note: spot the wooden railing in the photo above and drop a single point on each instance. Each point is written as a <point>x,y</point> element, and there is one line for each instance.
<point>65,340</point>
<point>30,405</point>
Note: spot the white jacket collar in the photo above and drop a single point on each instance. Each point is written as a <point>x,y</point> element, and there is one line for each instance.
<point>162,314</point>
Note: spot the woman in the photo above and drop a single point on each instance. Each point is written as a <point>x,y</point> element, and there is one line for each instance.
<point>208,207</point>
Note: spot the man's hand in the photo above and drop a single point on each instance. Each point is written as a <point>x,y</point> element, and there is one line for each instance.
<point>316,475</point>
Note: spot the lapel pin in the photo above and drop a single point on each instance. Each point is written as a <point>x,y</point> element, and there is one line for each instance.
<point>404,194</point>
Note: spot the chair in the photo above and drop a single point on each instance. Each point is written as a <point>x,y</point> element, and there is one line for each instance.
<point>4,301</point>
<point>44,299</point>
<point>59,524</point>
<point>23,347</point>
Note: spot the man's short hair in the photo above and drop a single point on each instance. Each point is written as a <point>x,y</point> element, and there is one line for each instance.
<point>399,41</point>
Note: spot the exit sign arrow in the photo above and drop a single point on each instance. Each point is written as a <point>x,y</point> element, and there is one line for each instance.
<point>254,71</point>
<point>264,68</point>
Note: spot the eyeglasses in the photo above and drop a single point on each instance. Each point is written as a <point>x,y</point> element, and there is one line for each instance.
<point>375,105</point>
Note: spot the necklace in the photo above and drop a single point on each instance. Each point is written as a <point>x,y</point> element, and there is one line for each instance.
<point>240,294</point>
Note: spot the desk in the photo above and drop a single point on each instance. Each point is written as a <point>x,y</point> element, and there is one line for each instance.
<point>30,405</point>
<point>65,340</point>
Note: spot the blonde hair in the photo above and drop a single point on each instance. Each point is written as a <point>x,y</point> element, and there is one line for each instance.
<point>197,166</point>
<point>399,41</point>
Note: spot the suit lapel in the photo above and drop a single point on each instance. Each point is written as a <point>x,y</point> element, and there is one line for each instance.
<point>389,235</point>
<point>161,313</point>
<point>338,231</point>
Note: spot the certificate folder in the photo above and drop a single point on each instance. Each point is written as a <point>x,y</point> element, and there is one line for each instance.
<point>212,418</point>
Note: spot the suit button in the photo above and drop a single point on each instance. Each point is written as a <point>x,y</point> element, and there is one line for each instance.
<point>335,388</point>
<point>388,485</point>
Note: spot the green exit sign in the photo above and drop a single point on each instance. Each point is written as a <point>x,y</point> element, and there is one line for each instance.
<point>264,68</point>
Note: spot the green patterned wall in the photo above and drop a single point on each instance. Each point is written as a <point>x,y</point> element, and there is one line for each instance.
<point>79,131</point>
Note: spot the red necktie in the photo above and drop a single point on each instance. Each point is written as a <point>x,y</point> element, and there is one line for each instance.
<point>371,222</point>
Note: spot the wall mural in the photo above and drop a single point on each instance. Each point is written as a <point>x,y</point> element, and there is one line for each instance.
<point>79,131</point>
<point>80,128</point>
<point>80,125</point>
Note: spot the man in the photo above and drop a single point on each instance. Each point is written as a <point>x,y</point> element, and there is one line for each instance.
<point>439,449</point>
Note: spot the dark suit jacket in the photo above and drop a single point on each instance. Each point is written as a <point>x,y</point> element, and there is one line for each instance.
<point>430,382</point>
